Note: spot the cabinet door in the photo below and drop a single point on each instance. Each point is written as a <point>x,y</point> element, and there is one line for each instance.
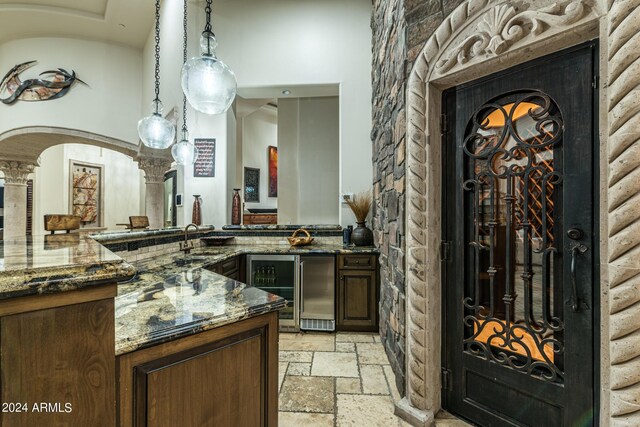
<point>357,309</point>
<point>222,384</point>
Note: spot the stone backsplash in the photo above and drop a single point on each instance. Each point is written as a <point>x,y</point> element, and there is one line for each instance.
<point>400,29</point>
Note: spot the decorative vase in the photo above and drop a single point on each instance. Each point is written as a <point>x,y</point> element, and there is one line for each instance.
<point>236,214</point>
<point>361,235</point>
<point>196,213</point>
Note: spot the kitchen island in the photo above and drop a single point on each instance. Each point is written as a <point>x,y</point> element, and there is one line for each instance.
<point>171,345</point>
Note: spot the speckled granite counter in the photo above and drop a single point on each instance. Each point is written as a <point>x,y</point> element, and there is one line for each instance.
<point>173,296</point>
<point>288,227</point>
<point>56,263</point>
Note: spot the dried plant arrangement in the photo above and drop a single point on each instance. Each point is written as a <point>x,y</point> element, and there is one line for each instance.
<point>360,205</point>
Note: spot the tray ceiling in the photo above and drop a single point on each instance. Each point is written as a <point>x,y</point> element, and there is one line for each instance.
<point>118,21</point>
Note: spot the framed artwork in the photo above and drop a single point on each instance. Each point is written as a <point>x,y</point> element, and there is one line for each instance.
<point>273,171</point>
<point>251,185</point>
<point>205,165</point>
<point>85,195</point>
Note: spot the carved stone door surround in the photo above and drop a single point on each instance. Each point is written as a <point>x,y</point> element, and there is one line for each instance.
<point>479,38</point>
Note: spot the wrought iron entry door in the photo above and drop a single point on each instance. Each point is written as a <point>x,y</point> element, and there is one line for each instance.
<point>518,222</point>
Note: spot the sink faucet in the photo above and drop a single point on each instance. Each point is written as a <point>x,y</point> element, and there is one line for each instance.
<point>187,245</point>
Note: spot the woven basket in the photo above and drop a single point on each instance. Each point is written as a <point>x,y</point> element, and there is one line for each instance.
<point>294,240</point>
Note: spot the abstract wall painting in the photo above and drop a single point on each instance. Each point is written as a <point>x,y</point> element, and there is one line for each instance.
<point>273,171</point>
<point>251,185</point>
<point>86,189</point>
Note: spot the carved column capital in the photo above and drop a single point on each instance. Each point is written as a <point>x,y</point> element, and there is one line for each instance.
<point>154,169</point>
<point>16,172</point>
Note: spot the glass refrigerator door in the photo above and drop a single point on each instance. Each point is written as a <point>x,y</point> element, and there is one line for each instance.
<point>277,274</point>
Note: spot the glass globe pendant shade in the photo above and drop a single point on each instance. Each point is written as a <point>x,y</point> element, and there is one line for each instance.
<point>207,82</point>
<point>155,131</point>
<point>184,152</point>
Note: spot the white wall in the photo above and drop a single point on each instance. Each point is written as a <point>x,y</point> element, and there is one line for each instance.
<point>109,105</point>
<point>308,137</point>
<point>121,196</point>
<point>288,171</point>
<point>272,42</point>
<point>259,131</point>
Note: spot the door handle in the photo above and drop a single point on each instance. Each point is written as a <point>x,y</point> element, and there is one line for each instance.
<point>302,286</point>
<point>576,250</point>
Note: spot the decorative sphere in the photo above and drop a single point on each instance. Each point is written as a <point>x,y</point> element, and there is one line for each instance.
<point>156,132</point>
<point>184,152</point>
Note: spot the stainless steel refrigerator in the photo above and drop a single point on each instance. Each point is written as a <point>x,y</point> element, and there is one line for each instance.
<point>317,293</point>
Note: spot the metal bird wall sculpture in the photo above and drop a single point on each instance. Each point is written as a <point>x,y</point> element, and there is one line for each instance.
<point>36,89</point>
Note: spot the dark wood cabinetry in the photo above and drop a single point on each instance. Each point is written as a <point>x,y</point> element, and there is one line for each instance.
<point>57,353</point>
<point>226,376</point>
<point>261,218</point>
<point>233,268</point>
<point>357,293</point>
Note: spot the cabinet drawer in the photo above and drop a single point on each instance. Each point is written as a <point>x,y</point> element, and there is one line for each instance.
<point>357,262</point>
<point>229,266</point>
<point>225,268</point>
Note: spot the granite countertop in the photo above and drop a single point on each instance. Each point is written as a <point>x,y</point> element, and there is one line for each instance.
<point>290,227</point>
<point>56,263</point>
<point>173,296</point>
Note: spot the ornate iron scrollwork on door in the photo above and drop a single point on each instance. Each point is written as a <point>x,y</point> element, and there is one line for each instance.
<point>512,192</point>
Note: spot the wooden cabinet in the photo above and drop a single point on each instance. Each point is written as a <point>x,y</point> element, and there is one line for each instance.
<point>257,219</point>
<point>226,376</point>
<point>357,293</point>
<point>233,268</point>
<point>57,353</point>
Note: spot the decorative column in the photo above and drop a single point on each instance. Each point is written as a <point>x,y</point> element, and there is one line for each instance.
<point>15,197</point>
<point>154,170</point>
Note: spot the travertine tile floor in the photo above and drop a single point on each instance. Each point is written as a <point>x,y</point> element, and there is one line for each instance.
<point>338,380</point>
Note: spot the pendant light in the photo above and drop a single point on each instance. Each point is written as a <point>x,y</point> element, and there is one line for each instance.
<point>208,83</point>
<point>155,131</point>
<point>184,152</point>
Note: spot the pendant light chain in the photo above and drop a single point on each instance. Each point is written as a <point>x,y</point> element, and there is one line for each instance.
<point>157,55</point>
<point>207,10</point>
<point>184,60</point>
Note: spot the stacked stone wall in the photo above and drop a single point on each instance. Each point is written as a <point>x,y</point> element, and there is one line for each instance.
<point>400,29</point>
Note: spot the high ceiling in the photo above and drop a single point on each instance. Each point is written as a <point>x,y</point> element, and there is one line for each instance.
<point>125,22</point>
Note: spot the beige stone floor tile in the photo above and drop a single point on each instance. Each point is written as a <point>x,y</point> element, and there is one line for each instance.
<point>371,353</point>
<point>296,356</point>
<point>282,370</point>
<point>348,385</point>
<point>450,422</point>
<point>296,368</point>
<point>354,337</point>
<point>303,419</point>
<point>445,419</point>
<point>307,341</point>
<point>307,394</point>
<point>391,380</point>
<point>331,364</point>
<point>373,380</point>
<point>355,410</point>
<point>346,346</point>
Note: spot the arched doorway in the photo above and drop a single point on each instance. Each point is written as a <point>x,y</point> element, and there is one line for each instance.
<point>479,38</point>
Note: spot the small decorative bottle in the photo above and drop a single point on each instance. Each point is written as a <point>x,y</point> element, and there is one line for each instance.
<point>196,214</point>
<point>236,213</point>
